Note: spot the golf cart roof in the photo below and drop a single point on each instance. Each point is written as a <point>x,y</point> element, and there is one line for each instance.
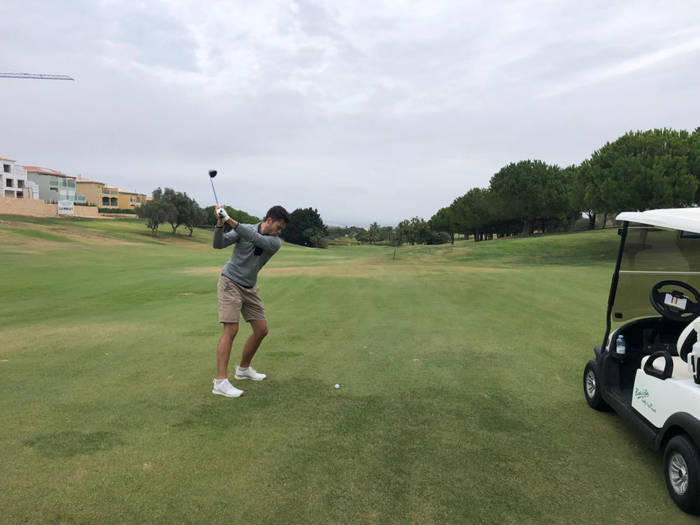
<point>684,219</point>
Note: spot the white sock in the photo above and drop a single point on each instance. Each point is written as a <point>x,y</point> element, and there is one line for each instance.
<point>241,369</point>
<point>218,382</point>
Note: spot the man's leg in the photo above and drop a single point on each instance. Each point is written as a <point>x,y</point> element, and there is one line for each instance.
<point>223,350</point>
<point>253,342</point>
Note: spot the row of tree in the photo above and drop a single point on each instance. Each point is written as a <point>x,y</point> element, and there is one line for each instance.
<point>641,170</point>
<point>177,209</point>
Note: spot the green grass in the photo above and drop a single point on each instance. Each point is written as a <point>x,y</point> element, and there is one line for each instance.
<point>460,366</point>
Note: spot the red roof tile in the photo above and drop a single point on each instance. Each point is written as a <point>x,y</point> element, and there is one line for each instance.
<point>47,171</point>
<point>83,179</point>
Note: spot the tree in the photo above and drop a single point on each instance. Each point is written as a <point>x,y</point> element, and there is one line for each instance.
<point>585,185</point>
<point>306,228</point>
<point>191,215</point>
<point>574,195</point>
<point>528,190</point>
<point>421,231</point>
<point>187,211</point>
<point>445,221</point>
<point>373,233</point>
<point>694,159</point>
<point>473,212</point>
<point>156,212</point>
<point>385,233</point>
<point>402,232</point>
<point>643,170</point>
<point>416,231</point>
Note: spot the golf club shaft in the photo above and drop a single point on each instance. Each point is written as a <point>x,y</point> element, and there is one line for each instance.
<point>212,187</point>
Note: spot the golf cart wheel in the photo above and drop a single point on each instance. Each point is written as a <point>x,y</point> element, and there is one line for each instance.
<point>591,388</point>
<point>682,473</point>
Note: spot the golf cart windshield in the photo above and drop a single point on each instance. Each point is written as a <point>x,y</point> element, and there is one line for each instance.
<point>651,256</point>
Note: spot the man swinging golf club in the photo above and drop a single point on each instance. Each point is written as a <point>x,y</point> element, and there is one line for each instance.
<point>255,244</point>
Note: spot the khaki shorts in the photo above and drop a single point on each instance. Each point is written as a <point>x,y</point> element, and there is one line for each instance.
<point>234,299</point>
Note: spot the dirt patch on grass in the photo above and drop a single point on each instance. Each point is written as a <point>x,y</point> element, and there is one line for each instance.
<point>16,239</point>
<point>354,270</point>
<point>91,237</point>
<point>31,235</point>
<point>71,443</point>
<point>206,270</point>
<point>376,270</point>
<point>33,338</point>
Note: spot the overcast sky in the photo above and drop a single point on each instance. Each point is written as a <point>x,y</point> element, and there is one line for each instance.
<point>367,111</point>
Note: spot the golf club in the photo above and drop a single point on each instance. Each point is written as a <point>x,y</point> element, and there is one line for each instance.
<point>212,174</point>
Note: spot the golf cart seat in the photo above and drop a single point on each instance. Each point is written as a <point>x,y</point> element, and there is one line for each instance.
<point>680,367</point>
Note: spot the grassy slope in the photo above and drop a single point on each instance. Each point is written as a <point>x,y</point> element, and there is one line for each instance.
<point>460,370</point>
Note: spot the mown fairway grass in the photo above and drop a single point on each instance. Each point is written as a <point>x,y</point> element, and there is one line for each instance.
<point>461,398</point>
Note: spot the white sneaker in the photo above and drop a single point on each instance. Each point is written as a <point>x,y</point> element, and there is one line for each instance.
<point>250,373</point>
<point>224,388</point>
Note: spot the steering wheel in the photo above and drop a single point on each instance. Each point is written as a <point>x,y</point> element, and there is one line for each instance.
<point>681,291</point>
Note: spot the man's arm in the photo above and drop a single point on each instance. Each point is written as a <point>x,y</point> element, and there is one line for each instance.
<point>269,243</point>
<point>221,239</point>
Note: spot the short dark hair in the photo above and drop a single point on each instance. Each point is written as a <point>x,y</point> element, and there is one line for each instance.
<point>278,213</point>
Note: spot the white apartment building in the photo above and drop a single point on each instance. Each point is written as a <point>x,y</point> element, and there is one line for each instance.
<point>13,181</point>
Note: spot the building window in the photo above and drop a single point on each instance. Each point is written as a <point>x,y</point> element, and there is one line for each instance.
<point>20,194</point>
<point>9,193</point>
<point>10,183</point>
<point>105,201</point>
<point>6,168</point>
<point>20,183</point>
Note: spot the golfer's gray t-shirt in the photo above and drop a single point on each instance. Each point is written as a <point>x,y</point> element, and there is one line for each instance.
<point>251,252</point>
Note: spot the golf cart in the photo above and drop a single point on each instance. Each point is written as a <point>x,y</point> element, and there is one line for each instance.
<point>642,370</point>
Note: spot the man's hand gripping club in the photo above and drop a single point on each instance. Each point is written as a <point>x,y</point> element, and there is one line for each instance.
<point>223,217</point>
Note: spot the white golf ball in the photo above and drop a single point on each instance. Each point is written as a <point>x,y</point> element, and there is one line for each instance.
<point>337,386</point>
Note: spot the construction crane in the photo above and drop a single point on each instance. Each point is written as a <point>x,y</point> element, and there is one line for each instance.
<point>37,76</point>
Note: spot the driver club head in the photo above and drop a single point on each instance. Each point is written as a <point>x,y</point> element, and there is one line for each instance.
<point>212,173</point>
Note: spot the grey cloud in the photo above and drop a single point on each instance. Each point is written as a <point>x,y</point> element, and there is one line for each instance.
<point>367,114</point>
<point>151,37</point>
